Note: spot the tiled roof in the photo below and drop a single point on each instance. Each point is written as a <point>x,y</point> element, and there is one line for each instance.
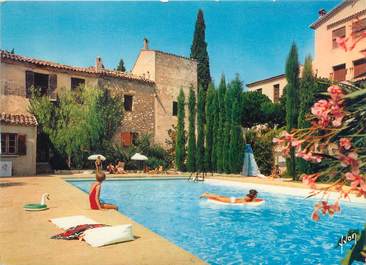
<point>272,78</point>
<point>18,119</point>
<point>5,55</point>
<point>332,12</point>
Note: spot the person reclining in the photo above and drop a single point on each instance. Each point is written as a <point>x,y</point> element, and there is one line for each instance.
<point>251,196</point>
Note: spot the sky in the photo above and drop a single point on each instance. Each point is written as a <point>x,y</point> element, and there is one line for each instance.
<point>249,38</point>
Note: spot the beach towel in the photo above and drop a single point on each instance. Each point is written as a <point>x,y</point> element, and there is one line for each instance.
<point>76,231</point>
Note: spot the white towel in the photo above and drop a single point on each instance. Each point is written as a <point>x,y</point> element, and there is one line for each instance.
<point>70,221</point>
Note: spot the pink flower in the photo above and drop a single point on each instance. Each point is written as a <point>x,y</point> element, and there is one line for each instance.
<point>321,108</point>
<point>296,143</point>
<point>310,180</point>
<point>277,140</point>
<point>342,43</point>
<point>335,92</point>
<point>345,143</point>
<point>315,216</point>
<point>349,160</point>
<point>356,180</point>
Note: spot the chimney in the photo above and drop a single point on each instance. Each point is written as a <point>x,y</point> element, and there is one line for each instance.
<point>322,12</point>
<point>146,44</point>
<point>98,64</point>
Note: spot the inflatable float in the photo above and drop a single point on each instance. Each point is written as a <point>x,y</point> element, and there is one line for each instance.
<point>255,202</point>
<point>38,206</point>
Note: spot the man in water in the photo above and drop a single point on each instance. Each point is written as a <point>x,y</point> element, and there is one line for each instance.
<point>247,198</point>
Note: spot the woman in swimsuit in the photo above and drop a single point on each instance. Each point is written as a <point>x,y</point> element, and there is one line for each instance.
<point>247,198</point>
<point>94,194</point>
<point>98,164</point>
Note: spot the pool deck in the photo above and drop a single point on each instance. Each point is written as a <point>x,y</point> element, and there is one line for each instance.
<point>25,236</point>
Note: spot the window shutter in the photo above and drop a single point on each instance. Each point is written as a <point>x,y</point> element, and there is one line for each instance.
<point>22,146</point>
<point>52,86</point>
<point>126,138</point>
<point>29,83</point>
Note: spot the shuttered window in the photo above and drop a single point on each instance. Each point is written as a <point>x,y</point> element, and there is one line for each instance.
<point>126,138</point>
<point>46,84</point>
<point>276,93</point>
<point>13,144</point>
<point>359,67</point>
<point>358,27</point>
<point>128,100</point>
<point>339,72</point>
<point>338,33</point>
<point>77,82</point>
<point>175,108</point>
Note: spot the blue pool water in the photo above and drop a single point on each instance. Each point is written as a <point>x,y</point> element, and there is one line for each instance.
<point>278,232</point>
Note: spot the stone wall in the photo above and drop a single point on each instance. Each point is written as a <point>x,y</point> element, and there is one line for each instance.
<point>171,74</point>
<point>141,118</point>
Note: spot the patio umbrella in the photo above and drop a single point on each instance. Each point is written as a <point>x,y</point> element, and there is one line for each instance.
<point>94,157</point>
<point>139,157</point>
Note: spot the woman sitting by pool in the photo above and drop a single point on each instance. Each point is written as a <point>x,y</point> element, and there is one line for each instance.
<point>250,197</point>
<point>94,194</point>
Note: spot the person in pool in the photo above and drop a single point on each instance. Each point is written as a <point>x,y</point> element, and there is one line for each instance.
<point>251,196</point>
<point>94,194</point>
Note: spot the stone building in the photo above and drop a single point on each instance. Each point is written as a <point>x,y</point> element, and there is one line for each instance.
<point>149,92</point>
<point>170,73</point>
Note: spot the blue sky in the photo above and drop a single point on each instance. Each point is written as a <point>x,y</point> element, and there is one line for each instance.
<point>251,38</point>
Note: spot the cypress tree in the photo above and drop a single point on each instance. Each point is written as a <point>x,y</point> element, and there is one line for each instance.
<point>236,135</point>
<point>191,159</point>
<point>199,52</point>
<point>292,103</point>
<point>226,131</point>
<point>216,136</point>
<point>209,127</point>
<point>200,152</point>
<point>308,90</point>
<point>121,66</point>
<point>221,125</point>
<point>180,142</point>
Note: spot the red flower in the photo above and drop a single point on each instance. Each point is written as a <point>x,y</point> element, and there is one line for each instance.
<point>349,160</point>
<point>310,180</point>
<point>345,143</point>
<point>356,180</point>
<point>335,92</point>
<point>342,43</point>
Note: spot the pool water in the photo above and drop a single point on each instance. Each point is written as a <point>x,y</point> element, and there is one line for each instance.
<point>278,232</point>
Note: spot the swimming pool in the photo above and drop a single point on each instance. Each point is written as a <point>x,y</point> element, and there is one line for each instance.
<point>278,232</point>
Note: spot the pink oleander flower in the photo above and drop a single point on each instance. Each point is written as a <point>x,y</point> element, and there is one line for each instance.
<point>315,216</point>
<point>309,156</point>
<point>349,160</point>
<point>356,180</point>
<point>297,143</point>
<point>345,143</point>
<point>335,92</point>
<point>321,108</point>
<point>342,43</point>
<point>310,180</point>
